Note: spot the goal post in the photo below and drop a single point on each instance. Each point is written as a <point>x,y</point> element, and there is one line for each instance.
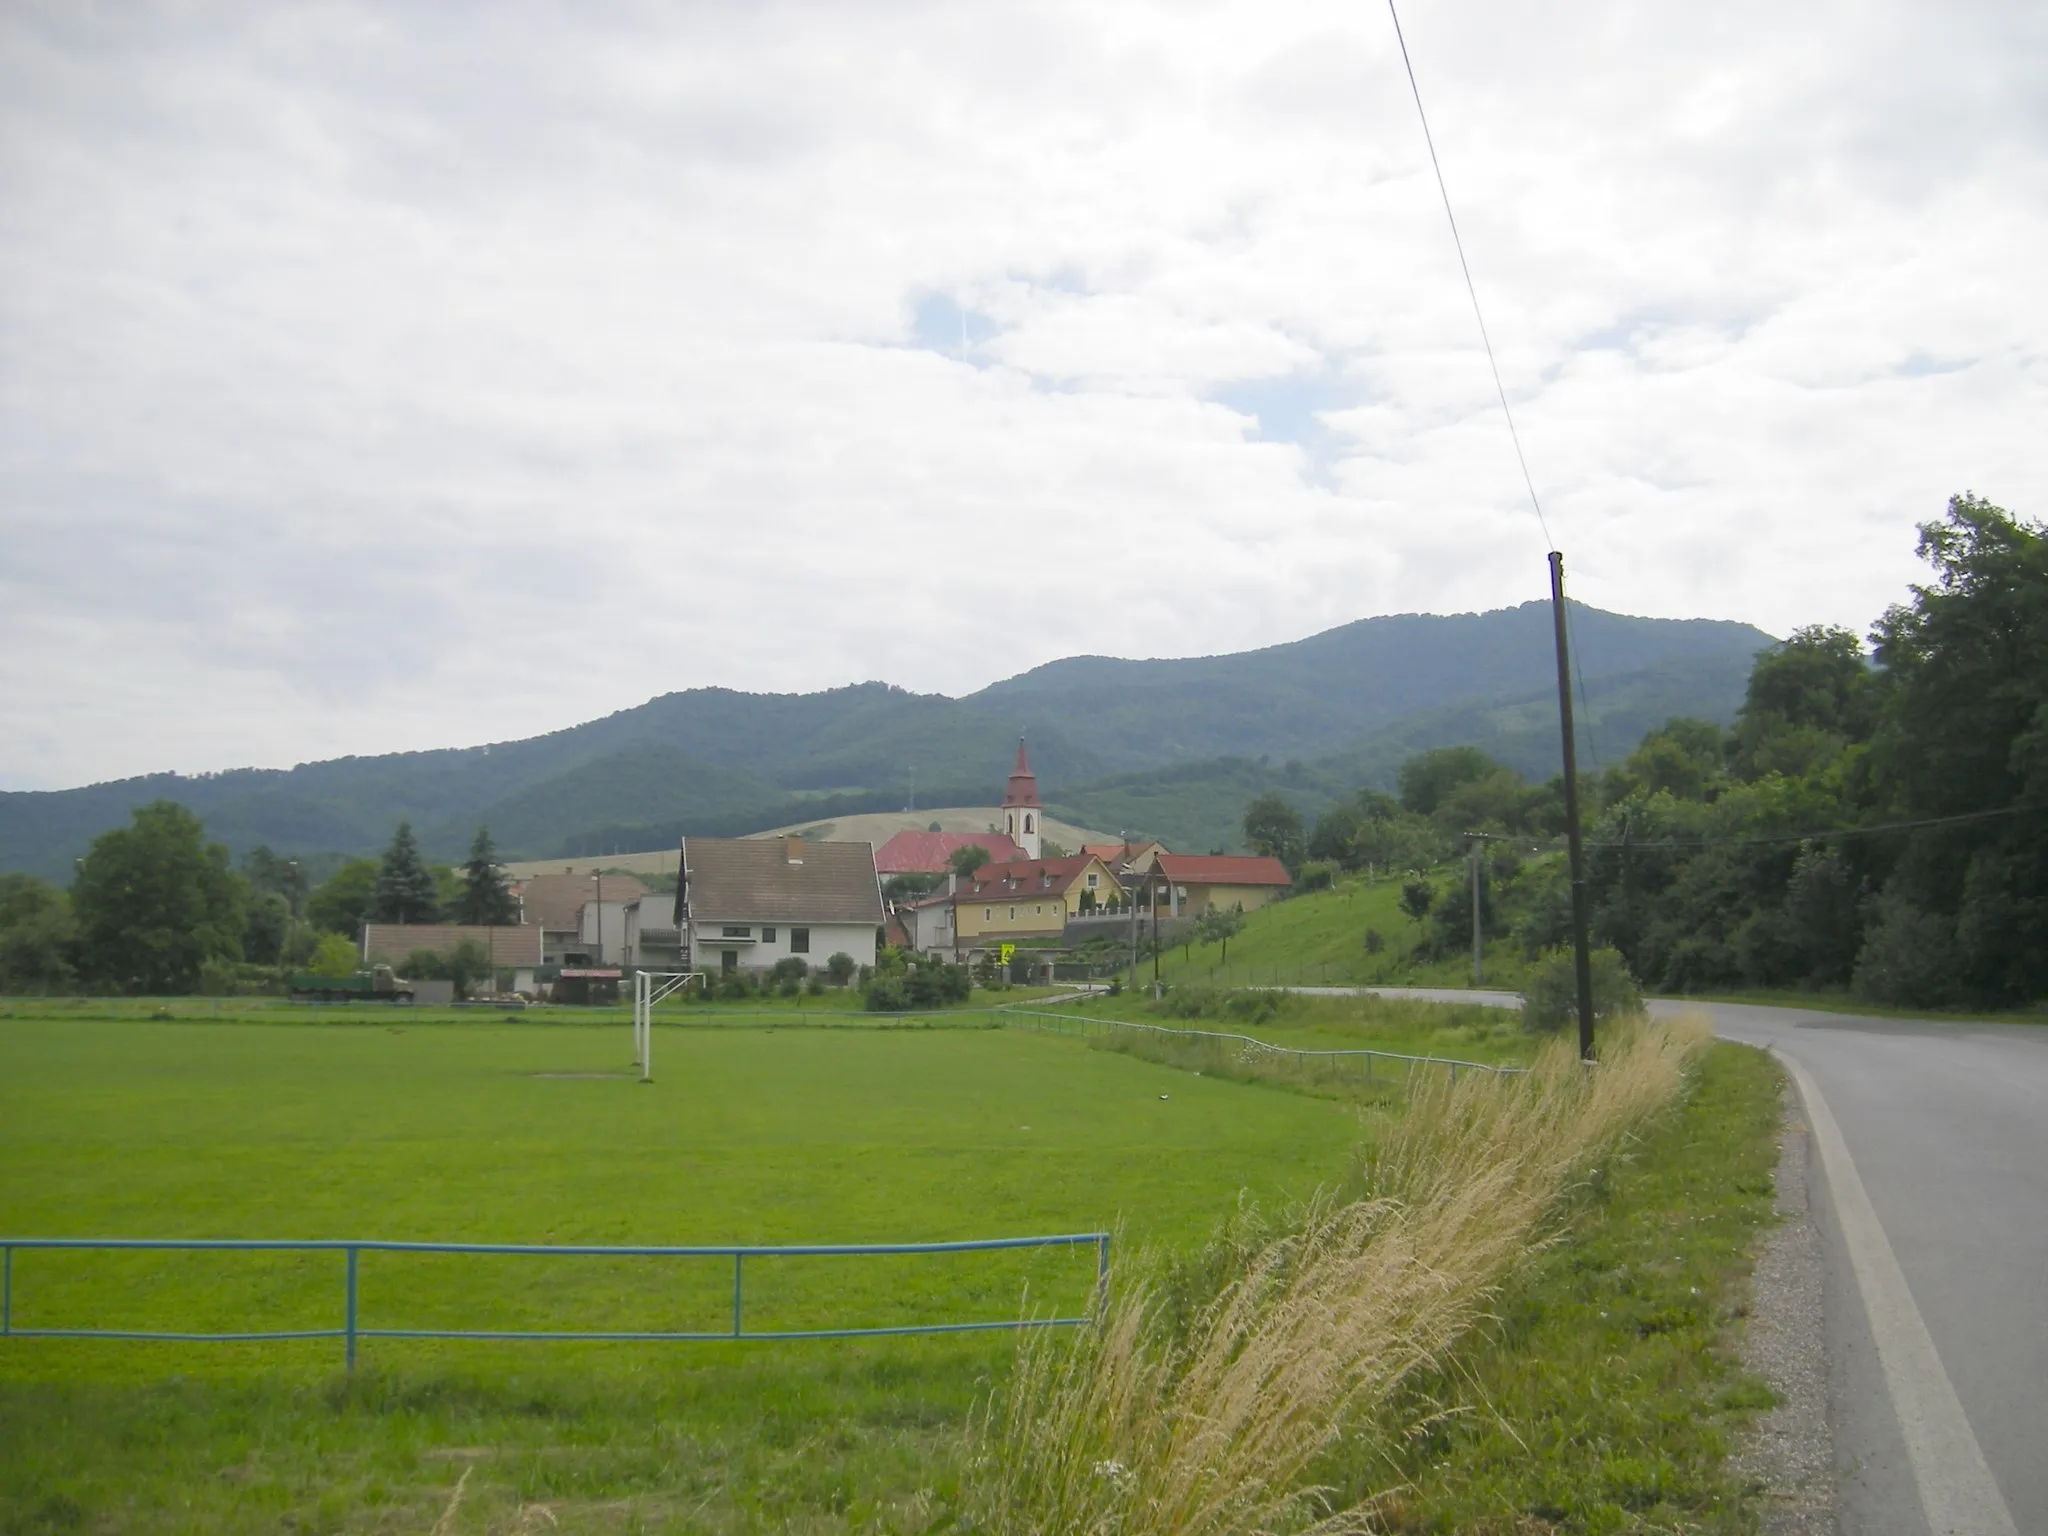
<point>649,988</point>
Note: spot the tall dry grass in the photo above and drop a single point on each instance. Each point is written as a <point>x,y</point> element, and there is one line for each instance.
<point>1140,1430</point>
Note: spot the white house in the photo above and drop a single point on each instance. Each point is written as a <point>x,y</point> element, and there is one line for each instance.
<point>651,941</point>
<point>929,922</point>
<point>747,902</point>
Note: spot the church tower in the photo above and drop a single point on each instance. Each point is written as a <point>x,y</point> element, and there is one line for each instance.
<point>1021,811</point>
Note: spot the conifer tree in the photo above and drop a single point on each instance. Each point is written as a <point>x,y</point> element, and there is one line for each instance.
<point>485,897</point>
<point>405,886</point>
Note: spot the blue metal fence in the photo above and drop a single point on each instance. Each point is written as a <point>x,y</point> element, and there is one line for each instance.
<point>351,1329</point>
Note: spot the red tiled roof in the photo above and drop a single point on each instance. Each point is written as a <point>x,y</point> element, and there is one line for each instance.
<point>931,853</point>
<point>1222,869</point>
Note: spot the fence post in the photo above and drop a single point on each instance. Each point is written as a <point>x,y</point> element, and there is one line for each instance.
<point>736,1295</point>
<point>348,1310</point>
<point>1101,1276</point>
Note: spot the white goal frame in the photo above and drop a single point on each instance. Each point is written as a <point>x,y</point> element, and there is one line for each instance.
<point>649,988</point>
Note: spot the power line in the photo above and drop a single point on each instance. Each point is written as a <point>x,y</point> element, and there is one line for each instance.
<point>1471,289</point>
<point>1825,835</point>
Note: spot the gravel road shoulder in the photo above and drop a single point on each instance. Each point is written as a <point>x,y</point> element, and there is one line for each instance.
<point>1790,1450</point>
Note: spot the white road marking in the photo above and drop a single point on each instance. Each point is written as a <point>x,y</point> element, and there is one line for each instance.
<point>1957,1492</point>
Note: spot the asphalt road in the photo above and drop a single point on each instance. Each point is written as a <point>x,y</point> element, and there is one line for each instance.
<point>1941,1164</point>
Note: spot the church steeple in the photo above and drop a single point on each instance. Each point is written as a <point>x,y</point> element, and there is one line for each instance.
<point>1021,811</point>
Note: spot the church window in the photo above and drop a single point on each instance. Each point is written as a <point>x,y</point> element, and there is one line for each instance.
<point>1027,823</point>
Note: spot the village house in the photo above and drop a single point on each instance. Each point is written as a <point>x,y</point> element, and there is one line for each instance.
<point>746,902</point>
<point>1189,884</point>
<point>1028,899</point>
<point>581,916</point>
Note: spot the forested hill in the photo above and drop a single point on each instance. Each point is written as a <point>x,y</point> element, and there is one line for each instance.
<point>714,760</point>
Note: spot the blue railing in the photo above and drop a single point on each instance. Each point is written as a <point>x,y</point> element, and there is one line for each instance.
<point>352,1330</point>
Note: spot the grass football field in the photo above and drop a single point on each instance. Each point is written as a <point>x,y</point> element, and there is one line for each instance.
<point>385,1126</point>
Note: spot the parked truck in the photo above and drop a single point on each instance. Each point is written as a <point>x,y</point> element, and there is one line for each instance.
<point>376,985</point>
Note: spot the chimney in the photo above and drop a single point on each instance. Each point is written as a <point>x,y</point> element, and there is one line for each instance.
<point>793,849</point>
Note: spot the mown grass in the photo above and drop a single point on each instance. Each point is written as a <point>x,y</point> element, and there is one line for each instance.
<point>1604,1361</point>
<point>404,1130</point>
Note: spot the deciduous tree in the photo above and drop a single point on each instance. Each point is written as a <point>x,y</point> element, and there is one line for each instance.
<point>155,901</point>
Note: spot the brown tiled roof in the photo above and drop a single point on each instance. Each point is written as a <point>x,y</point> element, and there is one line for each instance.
<point>1023,877</point>
<point>556,901</point>
<point>1222,869</point>
<point>752,879</point>
<point>392,942</point>
<point>931,853</point>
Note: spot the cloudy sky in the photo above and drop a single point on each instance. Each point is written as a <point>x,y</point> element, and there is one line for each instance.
<point>378,377</point>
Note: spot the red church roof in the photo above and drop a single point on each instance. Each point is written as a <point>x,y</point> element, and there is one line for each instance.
<point>931,853</point>
<point>1023,785</point>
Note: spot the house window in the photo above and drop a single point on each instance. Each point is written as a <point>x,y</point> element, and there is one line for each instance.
<point>767,935</point>
<point>1013,914</point>
<point>1091,882</point>
<point>735,933</point>
<point>1039,909</point>
<point>799,941</point>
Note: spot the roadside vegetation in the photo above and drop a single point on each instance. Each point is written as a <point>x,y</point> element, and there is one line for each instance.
<point>1871,824</point>
<point>1216,1411</point>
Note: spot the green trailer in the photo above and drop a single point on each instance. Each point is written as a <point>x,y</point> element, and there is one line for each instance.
<point>378,985</point>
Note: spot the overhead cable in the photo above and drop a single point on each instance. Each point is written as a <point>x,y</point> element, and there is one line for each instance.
<point>1471,289</point>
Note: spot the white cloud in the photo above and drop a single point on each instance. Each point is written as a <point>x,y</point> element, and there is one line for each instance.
<point>378,377</point>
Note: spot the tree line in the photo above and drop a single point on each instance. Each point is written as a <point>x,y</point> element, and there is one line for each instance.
<point>1875,819</point>
<point>155,908</point>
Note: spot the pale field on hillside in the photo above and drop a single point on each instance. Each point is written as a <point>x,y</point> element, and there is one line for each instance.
<point>875,827</point>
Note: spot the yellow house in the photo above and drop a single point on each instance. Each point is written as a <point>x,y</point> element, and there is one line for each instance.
<point>1188,884</point>
<point>1029,899</point>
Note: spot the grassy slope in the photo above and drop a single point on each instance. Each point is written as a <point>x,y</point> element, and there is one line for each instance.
<point>402,1130</point>
<point>1319,938</point>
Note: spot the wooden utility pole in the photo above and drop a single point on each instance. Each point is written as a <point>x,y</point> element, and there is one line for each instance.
<point>1582,964</point>
<point>1478,846</point>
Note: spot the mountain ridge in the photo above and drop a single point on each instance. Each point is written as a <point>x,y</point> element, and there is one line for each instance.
<point>698,758</point>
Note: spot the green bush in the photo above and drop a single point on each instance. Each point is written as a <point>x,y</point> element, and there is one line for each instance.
<point>1316,876</point>
<point>886,994</point>
<point>1550,1000</point>
<point>333,956</point>
<point>1908,957</point>
<point>840,968</point>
